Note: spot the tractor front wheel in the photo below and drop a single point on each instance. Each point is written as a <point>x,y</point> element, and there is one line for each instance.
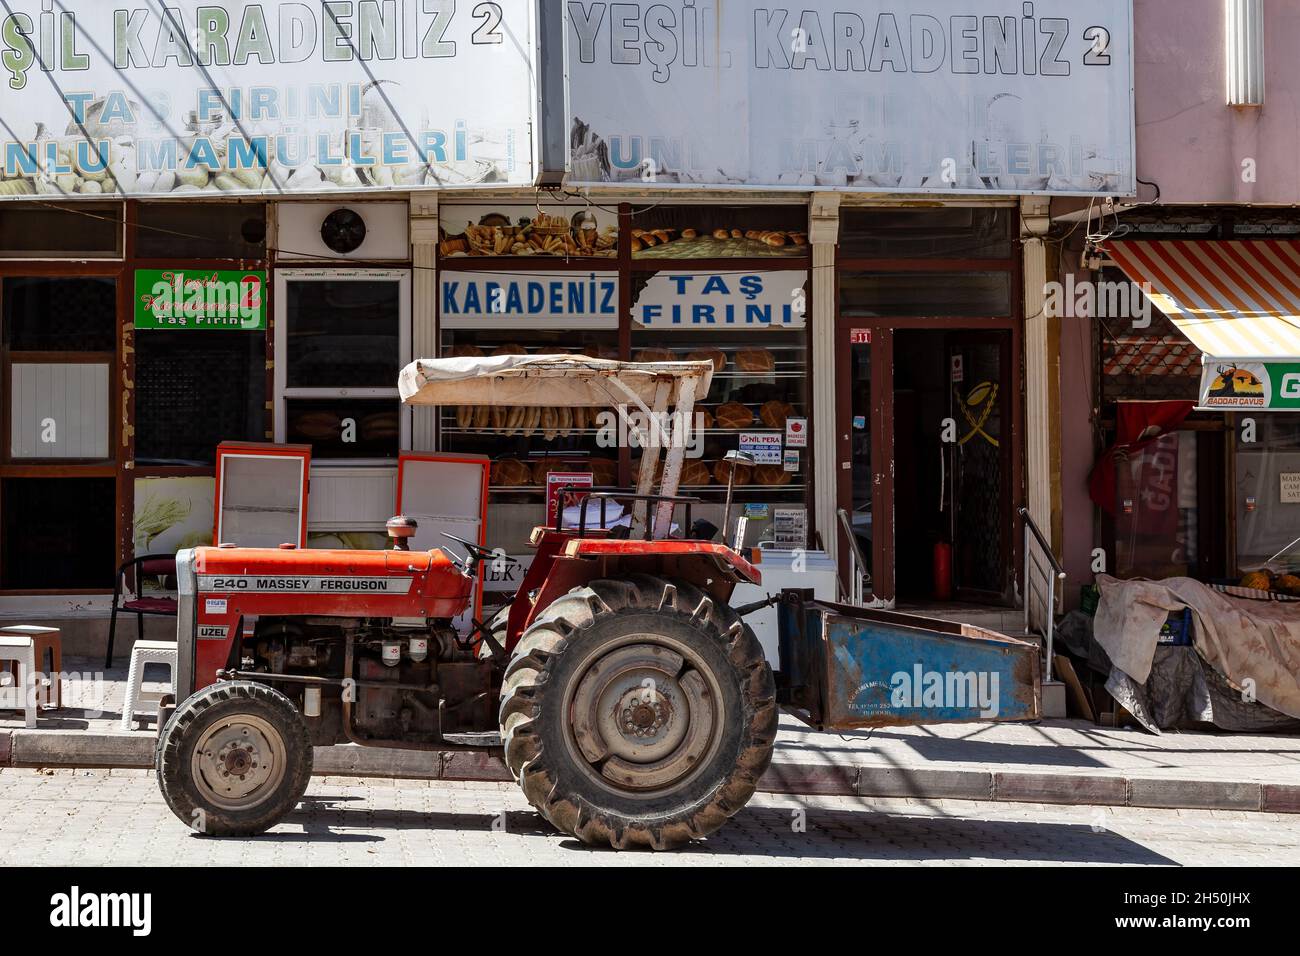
<point>234,759</point>
<point>638,712</point>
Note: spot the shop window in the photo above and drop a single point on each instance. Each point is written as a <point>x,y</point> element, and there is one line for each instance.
<point>343,337</point>
<point>1267,493</point>
<point>719,232</point>
<point>525,444</point>
<point>758,400</point>
<point>195,389</point>
<point>59,533</point>
<point>1157,499</point>
<point>59,346</point>
<point>899,294</point>
<point>342,333</point>
<point>207,231</point>
<point>950,233</point>
<point>546,230</point>
<point>84,230</point>
<point>44,314</point>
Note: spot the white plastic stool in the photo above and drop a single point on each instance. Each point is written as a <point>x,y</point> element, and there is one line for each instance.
<point>142,653</point>
<point>14,696</point>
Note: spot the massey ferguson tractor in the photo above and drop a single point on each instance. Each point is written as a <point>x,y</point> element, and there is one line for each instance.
<point>626,695</point>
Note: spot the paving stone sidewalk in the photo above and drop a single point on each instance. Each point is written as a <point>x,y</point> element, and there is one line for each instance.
<point>1057,761</point>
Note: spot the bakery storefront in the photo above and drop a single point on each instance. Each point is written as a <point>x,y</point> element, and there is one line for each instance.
<point>649,283</point>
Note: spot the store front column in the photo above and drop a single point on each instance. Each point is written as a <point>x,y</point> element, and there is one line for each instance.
<point>424,306</point>
<point>823,236</point>
<point>1042,377</point>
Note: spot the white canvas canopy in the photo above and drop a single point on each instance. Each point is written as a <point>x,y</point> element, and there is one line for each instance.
<point>574,380</point>
<point>656,389</point>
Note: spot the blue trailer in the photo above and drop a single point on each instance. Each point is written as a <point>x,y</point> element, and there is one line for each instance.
<point>846,668</point>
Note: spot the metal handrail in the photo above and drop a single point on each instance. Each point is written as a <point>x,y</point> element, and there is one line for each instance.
<point>1049,581</point>
<point>857,564</point>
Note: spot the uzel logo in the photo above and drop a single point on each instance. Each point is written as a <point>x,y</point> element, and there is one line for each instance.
<point>1290,387</point>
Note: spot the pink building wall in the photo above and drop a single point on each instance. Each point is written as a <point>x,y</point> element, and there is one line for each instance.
<point>1189,141</point>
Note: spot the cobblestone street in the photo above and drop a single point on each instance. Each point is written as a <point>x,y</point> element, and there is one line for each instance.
<point>97,817</point>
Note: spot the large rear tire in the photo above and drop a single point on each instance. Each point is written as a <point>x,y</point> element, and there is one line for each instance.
<point>234,759</point>
<point>638,712</point>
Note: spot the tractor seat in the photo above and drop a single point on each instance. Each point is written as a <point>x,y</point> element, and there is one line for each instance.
<point>154,605</point>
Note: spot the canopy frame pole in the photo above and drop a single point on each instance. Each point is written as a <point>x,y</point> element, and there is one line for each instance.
<point>650,451</point>
<point>682,414</point>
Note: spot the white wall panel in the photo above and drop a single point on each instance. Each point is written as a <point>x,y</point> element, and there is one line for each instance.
<point>68,403</point>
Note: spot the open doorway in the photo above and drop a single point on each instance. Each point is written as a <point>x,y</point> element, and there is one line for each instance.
<point>951,465</point>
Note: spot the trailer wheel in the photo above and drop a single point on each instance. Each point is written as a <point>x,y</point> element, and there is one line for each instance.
<point>638,712</point>
<point>234,759</point>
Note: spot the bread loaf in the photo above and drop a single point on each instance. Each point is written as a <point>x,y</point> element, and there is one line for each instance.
<point>482,416</point>
<point>733,415</point>
<point>379,426</point>
<point>771,475</point>
<point>318,426</point>
<point>604,472</point>
<point>654,355</point>
<point>755,360</point>
<point>695,472</point>
<point>774,413</point>
<point>716,356</point>
<point>511,348</point>
<point>463,351</point>
<point>722,472</point>
<point>511,473</point>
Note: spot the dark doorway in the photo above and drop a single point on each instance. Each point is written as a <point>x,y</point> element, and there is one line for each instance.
<point>951,462</point>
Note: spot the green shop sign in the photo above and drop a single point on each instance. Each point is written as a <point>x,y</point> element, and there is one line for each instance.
<point>1228,384</point>
<point>200,299</point>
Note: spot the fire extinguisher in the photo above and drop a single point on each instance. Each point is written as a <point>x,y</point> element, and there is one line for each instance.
<point>942,571</point>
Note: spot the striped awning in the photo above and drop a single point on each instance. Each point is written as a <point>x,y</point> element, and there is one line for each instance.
<point>1234,300</point>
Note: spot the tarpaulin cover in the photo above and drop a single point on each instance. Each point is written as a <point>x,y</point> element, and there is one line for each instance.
<point>573,380</point>
<point>1254,644</point>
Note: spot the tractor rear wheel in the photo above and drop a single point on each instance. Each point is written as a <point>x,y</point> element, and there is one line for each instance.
<point>234,759</point>
<point>638,712</point>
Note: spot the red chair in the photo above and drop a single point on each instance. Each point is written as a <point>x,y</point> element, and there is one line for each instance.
<point>158,565</point>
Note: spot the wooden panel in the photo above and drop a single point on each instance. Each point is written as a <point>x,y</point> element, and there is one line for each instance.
<point>59,411</point>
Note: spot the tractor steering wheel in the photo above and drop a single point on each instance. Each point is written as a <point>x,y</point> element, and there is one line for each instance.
<point>476,552</point>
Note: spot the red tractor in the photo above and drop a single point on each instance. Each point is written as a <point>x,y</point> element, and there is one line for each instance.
<point>628,697</point>
<point>630,701</point>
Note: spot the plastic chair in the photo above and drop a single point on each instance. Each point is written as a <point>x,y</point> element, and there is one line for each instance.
<point>142,653</point>
<point>161,565</point>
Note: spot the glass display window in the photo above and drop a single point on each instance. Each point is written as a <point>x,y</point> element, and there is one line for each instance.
<point>537,231</point>
<point>719,232</point>
<point>342,337</point>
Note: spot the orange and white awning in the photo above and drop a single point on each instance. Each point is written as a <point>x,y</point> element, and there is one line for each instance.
<point>1233,299</point>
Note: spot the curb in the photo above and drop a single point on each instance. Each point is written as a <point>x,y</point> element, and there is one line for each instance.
<point>38,748</point>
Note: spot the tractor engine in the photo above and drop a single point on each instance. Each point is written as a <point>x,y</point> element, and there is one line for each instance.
<point>373,680</point>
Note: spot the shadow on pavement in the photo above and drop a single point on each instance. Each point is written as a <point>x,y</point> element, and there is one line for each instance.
<point>862,835</point>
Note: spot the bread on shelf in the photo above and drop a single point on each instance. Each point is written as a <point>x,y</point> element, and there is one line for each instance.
<point>771,475</point>
<point>755,360</point>
<point>722,470</point>
<point>733,415</point>
<point>511,473</point>
<point>775,413</point>
<point>716,356</point>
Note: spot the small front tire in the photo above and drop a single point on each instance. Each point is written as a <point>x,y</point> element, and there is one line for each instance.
<point>233,759</point>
